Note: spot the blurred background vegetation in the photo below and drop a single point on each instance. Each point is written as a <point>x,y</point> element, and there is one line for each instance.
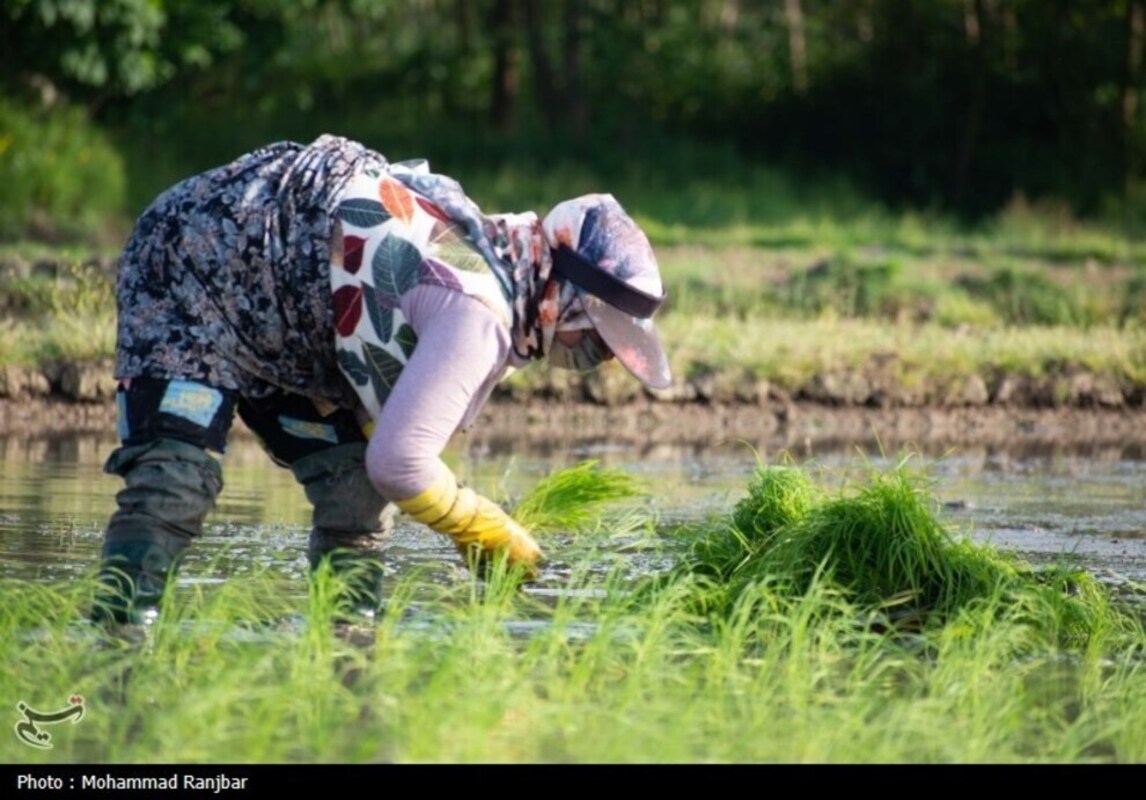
<point>933,169</point>
<point>714,115</point>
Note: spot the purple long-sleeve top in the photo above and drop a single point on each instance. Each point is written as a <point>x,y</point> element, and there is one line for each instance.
<point>463,351</point>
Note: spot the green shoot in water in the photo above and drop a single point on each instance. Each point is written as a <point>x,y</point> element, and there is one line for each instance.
<point>573,500</point>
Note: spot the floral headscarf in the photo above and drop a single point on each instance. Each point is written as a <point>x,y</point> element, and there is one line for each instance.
<point>517,252</point>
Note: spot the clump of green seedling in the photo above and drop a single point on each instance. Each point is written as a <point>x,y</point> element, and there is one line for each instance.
<point>573,500</point>
<point>778,497</point>
<point>885,548</point>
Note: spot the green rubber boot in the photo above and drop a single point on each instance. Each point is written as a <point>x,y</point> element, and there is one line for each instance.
<point>351,525</point>
<point>171,487</point>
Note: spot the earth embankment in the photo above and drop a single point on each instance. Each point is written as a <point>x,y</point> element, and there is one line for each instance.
<point>793,424</point>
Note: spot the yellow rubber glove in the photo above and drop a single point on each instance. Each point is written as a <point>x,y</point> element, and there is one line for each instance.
<point>479,527</point>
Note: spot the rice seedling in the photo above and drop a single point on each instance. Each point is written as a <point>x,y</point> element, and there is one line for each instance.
<point>885,549</point>
<point>573,500</point>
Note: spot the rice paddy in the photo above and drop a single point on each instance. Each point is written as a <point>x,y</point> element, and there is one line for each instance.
<point>805,623</point>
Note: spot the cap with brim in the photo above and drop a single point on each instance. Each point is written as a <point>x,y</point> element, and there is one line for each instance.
<point>601,251</point>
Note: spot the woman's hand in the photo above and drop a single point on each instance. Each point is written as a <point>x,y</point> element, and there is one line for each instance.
<point>479,528</point>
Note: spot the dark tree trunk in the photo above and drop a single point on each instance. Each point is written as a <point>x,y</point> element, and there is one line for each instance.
<point>505,91</point>
<point>978,37</point>
<point>576,111</point>
<point>1131,86</point>
<point>797,45</point>
<point>544,84</point>
<point>464,14</point>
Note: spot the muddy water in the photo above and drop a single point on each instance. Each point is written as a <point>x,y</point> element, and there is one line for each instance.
<point>1086,506</point>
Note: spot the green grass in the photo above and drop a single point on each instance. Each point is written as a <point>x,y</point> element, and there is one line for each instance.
<point>70,316</point>
<point>728,329</point>
<point>601,671</point>
<point>789,352</point>
<point>808,282</point>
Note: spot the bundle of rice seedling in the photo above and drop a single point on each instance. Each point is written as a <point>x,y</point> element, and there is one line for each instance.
<point>778,498</point>
<point>574,500</point>
<point>884,547</point>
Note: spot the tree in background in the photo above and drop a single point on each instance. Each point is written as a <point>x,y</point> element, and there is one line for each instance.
<point>953,105</point>
<point>92,51</point>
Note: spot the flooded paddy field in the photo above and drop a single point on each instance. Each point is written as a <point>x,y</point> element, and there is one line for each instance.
<point>1079,503</point>
<point>582,666</point>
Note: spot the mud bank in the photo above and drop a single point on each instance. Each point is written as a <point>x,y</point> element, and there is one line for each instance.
<point>796,426</point>
<point>554,408</point>
<point>801,425</point>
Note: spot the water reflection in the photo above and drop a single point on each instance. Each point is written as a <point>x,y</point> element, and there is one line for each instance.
<point>1081,502</point>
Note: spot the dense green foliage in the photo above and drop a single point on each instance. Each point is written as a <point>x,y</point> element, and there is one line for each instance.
<point>950,105</point>
<point>61,177</point>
